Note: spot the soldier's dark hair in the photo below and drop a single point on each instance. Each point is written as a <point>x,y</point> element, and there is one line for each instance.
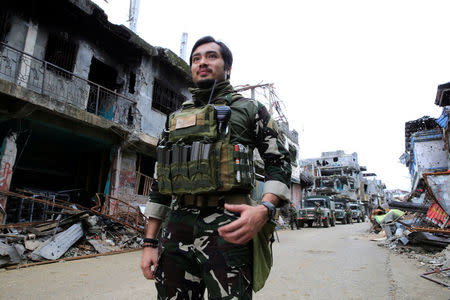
<point>225,52</point>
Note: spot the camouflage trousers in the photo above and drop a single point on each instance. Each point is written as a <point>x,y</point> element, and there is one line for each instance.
<point>193,257</point>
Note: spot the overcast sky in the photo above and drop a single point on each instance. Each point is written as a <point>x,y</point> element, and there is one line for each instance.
<point>350,73</point>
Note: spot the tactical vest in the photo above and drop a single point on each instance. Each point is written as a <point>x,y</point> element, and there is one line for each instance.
<point>197,159</point>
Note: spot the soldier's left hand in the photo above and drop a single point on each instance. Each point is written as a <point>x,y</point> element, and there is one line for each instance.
<point>242,230</point>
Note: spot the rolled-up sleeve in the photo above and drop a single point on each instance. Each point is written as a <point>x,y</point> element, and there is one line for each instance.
<point>158,204</point>
<point>277,163</point>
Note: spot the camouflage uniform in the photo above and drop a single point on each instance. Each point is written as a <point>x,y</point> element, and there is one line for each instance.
<point>293,218</point>
<point>348,215</point>
<point>317,215</point>
<point>192,254</point>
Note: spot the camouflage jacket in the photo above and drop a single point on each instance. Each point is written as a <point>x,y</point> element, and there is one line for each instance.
<point>250,124</point>
<point>292,213</point>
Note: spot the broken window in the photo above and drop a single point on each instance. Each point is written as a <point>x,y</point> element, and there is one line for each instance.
<point>4,24</point>
<point>102,102</point>
<point>132,83</point>
<point>61,52</point>
<point>165,99</point>
<point>130,116</point>
<point>335,159</point>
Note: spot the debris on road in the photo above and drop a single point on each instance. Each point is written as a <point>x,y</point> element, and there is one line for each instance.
<point>70,231</point>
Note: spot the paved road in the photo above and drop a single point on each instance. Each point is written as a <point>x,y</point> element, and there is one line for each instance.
<point>313,263</point>
<point>342,263</point>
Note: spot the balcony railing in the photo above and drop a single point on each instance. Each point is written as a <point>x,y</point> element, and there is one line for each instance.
<point>50,80</point>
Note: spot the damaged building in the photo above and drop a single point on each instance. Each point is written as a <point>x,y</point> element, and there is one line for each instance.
<point>299,181</point>
<point>427,156</point>
<point>82,104</point>
<point>373,190</point>
<point>424,213</point>
<point>335,173</point>
<point>426,148</point>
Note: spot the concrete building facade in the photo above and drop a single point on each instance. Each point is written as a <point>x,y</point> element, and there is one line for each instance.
<point>82,102</point>
<point>338,173</point>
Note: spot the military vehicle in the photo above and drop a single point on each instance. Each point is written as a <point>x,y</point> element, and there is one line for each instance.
<point>327,208</point>
<point>362,208</point>
<point>357,213</point>
<point>341,203</point>
<point>365,211</point>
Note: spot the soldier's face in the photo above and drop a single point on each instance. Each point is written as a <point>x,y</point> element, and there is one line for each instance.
<point>208,64</point>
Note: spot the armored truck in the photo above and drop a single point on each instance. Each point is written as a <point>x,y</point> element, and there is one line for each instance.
<point>326,211</point>
<point>357,213</point>
<point>341,204</point>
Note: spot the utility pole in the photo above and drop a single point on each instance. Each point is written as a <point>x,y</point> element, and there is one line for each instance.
<point>183,45</point>
<point>272,100</point>
<point>133,14</point>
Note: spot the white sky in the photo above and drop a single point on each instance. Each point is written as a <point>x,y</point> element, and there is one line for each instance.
<point>350,73</point>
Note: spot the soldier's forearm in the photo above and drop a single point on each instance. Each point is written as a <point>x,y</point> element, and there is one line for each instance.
<point>272,198</point>
<point>152,228</point>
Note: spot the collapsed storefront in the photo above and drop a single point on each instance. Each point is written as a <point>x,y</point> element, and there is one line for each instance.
<point>422,218</point>
<point>82,102</point>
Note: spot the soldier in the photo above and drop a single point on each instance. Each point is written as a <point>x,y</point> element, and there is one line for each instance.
<point>293,217</point>
<point>348,214</point>
<point>211,233</point>
<point>317,213</point>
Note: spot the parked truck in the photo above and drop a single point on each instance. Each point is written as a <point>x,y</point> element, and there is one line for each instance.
<point>357,213</point>
<point>341,204</point>
<point>326,211</point>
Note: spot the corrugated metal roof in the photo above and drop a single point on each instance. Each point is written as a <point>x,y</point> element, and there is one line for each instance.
<point>442,121</point>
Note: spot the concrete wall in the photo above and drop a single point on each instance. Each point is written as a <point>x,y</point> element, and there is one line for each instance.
<point>430,155</point>
<point>16,36</point>
<point>127,174</point>
<point>75,91</point>
<point>152,122</point>
<point>127,180</point>
<point>296,194</point>
<point>349,160</point>
<point>30,73</point>
<point>9,63</point>
<point>8,152</point>
<point>343,159</point>
<point>295,168</point>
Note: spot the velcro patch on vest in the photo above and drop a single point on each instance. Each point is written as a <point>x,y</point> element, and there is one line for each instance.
<point>185,121</point>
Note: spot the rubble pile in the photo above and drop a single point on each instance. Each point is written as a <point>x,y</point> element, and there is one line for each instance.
<point>79,234</point>
<point>420,229</point>
<point>435,260</point>
<point>69,231</point>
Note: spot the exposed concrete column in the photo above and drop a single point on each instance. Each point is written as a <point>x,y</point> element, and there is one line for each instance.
<point>25,64</point>
<point>8,153</point>
<point>117,172</point>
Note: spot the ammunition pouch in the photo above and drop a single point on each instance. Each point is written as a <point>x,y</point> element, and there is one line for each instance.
<point>196,161</point>
<point>204,168</point>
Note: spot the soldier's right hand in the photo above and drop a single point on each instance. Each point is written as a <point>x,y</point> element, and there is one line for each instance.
<point>148,262</point>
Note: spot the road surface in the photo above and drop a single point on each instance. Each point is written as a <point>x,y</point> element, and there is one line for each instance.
<point>313,263</point>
